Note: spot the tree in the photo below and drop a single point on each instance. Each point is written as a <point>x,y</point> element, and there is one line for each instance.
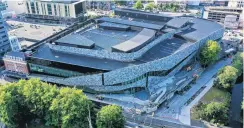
<point>209,53</point>
<point>13,113</point>
<point>70,109</point>
<point>238,62</point>
<point>38,96</point>
<point>110,117</point>
<point>226,77</point>
<point>120,2</point>
<point>150,6</point>
<point>242,105</point>
<point>216,112</point>
<point>138,5</point>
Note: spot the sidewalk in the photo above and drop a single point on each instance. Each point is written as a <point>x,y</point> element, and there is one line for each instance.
<point>206,79</point>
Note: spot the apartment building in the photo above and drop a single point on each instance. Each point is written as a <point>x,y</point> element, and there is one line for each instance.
<point>52,10</point>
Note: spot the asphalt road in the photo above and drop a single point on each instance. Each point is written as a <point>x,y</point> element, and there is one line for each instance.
<point>154,122</point>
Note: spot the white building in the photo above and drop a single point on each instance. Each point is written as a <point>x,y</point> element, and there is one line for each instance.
<point>14,43</point>
<point>219,14</point>
<point>55,10</point>
<point>236,3</point>
<point>16,6</point>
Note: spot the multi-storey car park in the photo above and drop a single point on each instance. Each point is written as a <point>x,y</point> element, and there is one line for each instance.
<point>133,53</point>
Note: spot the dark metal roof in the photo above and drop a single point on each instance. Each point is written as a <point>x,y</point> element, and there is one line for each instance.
<point>46,53</point>
<point>131,23</point>
<point>137,41</point>
<point>200,28</point>
<point>105,24</point>
<point>177,22</point>
<point>76,39</point>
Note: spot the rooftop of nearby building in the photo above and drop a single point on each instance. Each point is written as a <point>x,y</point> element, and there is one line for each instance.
<point>61,1</point>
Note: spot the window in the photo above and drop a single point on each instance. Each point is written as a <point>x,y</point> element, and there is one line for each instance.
<point>59,10</point>
<point>55,9</point>
<point>49,9</point>
<point>66,10</point>
<point>33,7</point>
<point>37,8</point>
<point>27,5</point>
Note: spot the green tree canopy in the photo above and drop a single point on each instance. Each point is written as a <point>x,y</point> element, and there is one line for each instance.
<point>138,5</point>
<point>120,2</point>
<point>209,52</point>
<point>70,109</point>
<point>110,117</point>
<point>150,6</point>
<point>238,62</point>
<point>226,77</point>
<point>216,112</point>
<point>13,113</point>
<point>242,105</point>
<point>37,96</point>
<point>25,101</point>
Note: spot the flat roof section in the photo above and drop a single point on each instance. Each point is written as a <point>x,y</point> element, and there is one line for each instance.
<point>107,25</point>
<point>177,22</point>
<point>132,23</point>
<point>163,49</point>
<point>137,41</point>
<point>105,39</point>
<point>45,53</point>
<point>201,28</point>
<point>76,39</point>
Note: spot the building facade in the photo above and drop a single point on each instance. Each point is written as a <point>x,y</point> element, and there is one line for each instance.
<point>4,41</point>
<point>218,14</point>
<point>236,4</point>
<point>15,62</point>
<point>14,43</point>
<point>55,10</point>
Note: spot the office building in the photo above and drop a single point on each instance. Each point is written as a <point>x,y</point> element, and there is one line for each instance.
<point>55,11</point>
<point>218,14</point>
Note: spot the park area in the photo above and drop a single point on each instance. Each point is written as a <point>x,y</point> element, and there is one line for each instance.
<point>213,95</point>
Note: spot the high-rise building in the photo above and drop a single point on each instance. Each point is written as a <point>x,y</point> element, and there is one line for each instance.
<point>4,41</point>
<point>55,11</point>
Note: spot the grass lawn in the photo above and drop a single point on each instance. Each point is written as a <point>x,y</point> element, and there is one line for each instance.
<point>213,95</point>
